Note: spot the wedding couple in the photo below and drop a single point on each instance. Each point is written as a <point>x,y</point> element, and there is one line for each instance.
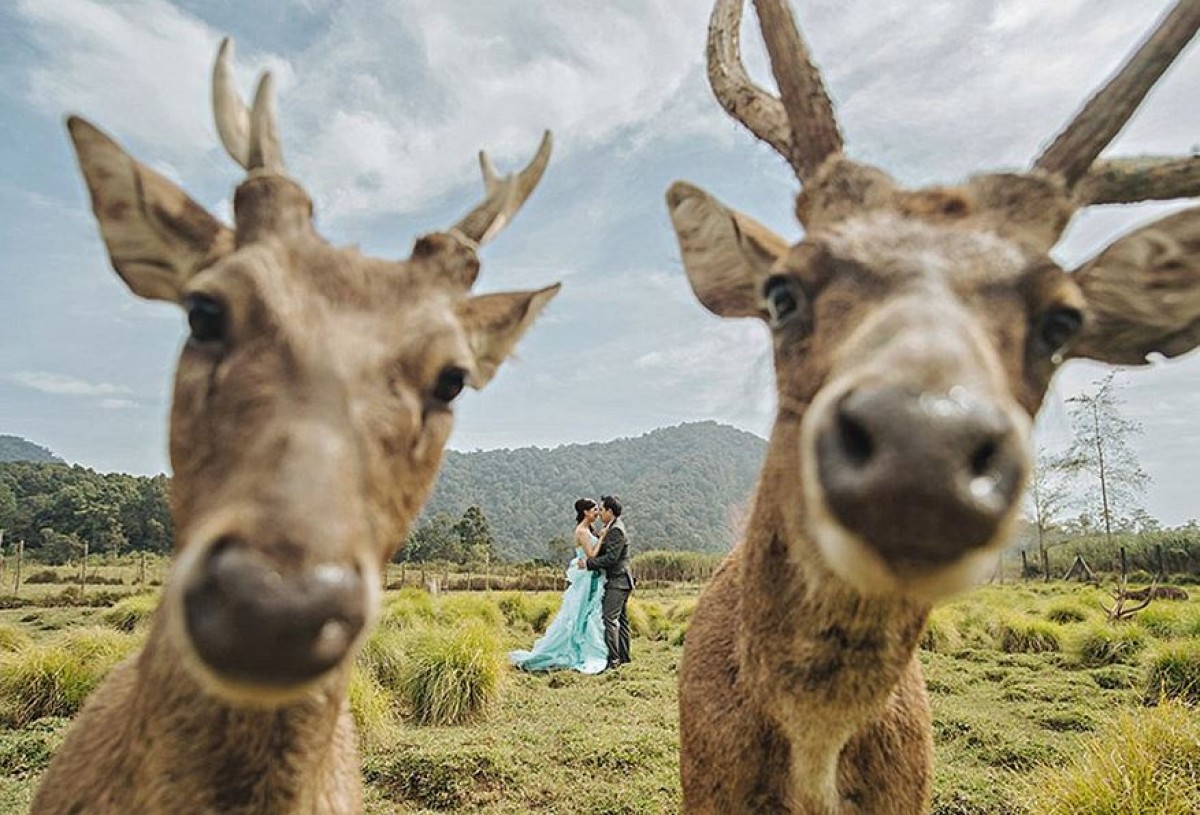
<point>590,633</point>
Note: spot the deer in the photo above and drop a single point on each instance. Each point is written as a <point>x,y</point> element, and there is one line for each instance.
<point>914,335</point>
<point>312,402</point>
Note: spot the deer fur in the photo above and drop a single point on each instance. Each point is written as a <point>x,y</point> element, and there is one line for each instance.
<point>915,333</point>
<point>312,404</point>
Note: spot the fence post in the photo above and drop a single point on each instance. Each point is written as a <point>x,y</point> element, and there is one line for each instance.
<point>83,572</point>
<point>1124,564</point>
<point>142,569</point>
<point>20,555</point>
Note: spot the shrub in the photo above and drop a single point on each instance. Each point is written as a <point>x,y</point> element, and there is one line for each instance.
<point>452,676</point>
<point>54,678</point>
<point>129,613</point>
<point>1019,635</point>
<point>1066,613</point>
<point>46,576</point>
<point>1103,644</point>
<point>1141,762</point>
<point>1174,673</point>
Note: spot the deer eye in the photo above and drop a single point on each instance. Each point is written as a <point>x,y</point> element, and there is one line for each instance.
<point>450,383</point>
<point>206,318</point>
<point>1056,329</point>
<point>785,299</point>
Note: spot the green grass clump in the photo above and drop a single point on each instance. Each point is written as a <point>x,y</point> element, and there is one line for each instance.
<point>452,608</point>
<point>941,633</point>
<point>1066,613</point>
<point>647,619</point>
<point>1163,622</point>
<point>1141,762</point>
<point>13,638</point>
<point>1021,635</point>
<point>131,612</point>
<point>531,610</point>
<point>1105,644</point>
<point>409,606</point>
<point>453,676</point>
<point>383,657</point>
<point>372,707</point>
<point>1174,672</point>
<point>54,678</point>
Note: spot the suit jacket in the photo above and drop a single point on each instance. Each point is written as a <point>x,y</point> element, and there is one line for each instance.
<point>613,557</point>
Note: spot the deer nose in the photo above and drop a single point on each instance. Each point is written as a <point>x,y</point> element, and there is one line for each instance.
<point>251,620</point>
<point>919,477</point>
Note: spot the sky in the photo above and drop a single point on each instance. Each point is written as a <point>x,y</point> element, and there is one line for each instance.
<point>382,107</point>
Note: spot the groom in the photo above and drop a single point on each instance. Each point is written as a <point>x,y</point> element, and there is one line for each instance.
<point>613,560</point>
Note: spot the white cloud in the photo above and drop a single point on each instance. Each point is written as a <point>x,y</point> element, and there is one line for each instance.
<point>117,404</point>
<point>63,385</point>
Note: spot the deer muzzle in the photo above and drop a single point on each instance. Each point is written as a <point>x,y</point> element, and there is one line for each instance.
<point>254,620</point>
<point>920,478</point>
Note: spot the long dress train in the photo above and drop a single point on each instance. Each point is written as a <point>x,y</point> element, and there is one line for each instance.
<point>574,639</point>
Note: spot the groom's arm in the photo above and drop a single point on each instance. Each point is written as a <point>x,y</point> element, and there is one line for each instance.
<point>610,552</point>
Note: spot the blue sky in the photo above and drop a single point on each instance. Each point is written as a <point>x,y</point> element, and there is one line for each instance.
<point>383,105</point>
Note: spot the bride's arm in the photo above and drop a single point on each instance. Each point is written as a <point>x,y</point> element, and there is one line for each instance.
<point>584,540</point>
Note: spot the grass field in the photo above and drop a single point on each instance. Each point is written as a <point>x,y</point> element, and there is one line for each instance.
<point>1040,705</point>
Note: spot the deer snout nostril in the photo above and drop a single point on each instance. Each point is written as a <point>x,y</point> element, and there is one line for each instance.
<point>854,438</point>
<point>984,457</point>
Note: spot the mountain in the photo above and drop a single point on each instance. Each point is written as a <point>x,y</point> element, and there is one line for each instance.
<point>15,448</point>
<point>683,487</point>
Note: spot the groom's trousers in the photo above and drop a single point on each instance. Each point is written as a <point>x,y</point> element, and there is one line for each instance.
<point>616,623</point>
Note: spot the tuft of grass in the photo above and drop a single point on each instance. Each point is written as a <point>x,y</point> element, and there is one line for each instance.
<point>1066,613</point>
<point>382,657</point>
<point>1162,622</point>
<point>941,634</point>
<point>131,612</point>
<point>1140,762</point>
<point>453,676</point>
<point>647,619</point>
<point>13,638</point>
<point>54,678</point>
<point>1021,635</point>
<point>447,780</point>
<point>372,707</point>
<point>1103,644</point>
<point>1173,672</point>
<point>453,608</point>
<point>408,607</point>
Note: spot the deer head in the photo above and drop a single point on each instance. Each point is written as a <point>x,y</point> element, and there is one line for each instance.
<point>915,332</point>
<point>312,399</point>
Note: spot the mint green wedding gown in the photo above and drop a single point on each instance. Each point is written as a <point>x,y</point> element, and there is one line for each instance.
<point>574,639</point>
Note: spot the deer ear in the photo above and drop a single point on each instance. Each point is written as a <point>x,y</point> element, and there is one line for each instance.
<point>156,236</point>
<point>494,323</point>
<point>727,255</point>
<point>1143,293</point>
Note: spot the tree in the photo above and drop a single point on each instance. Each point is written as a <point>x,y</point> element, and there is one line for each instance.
<point>560,549</point>
<point>475,536</point>
<point>1048,496</point>
<point>1101,451</point>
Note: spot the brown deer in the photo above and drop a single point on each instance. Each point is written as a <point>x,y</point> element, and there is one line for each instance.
<point>312,403</point>
<point>915,333</point>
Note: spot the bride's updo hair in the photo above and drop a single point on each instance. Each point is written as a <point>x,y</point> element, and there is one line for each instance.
<point>581,508</point>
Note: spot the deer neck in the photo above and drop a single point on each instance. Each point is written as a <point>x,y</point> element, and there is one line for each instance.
<point>825,657</point>
<point>240,758</point>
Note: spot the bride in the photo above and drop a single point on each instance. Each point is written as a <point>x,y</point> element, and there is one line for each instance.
<point>575,637</point>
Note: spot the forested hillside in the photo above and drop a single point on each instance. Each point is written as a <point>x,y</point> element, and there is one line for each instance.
<point>684,487</point>
<point>15,448</point>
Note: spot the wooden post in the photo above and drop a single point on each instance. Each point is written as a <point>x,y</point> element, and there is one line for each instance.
<point>1024,566</point>
<point>142,570</point>
<point>1124,564</point>
<point>20,555</point>
<point>1045,566</point>
<point>83,572</point>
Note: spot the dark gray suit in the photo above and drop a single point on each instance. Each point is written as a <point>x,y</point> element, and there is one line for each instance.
<point>613,560</point>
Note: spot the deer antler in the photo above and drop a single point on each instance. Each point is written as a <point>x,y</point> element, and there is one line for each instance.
<point>249,135</point>
<point>504,196</point>
<point>1073,151</point>
<point>801,126</point>
<point>1148,178</point>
